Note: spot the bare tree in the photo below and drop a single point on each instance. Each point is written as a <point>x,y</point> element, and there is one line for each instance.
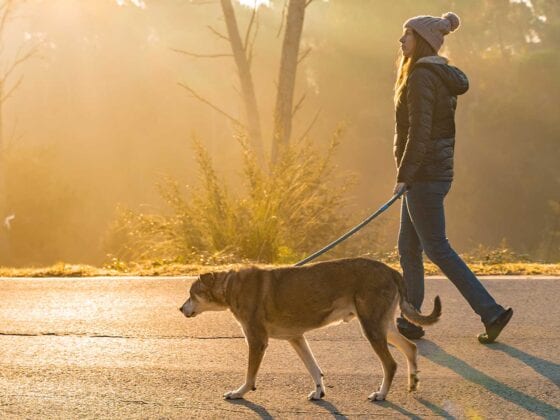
<point>7,89</point>
<point>283,112</point>
<point>242,53</point>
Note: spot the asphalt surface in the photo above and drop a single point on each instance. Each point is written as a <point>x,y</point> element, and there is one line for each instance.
<point>119,348</point>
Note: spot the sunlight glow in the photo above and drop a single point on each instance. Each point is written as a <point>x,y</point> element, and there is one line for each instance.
<point>255,4</point>
<point>528,3</point>
<point>138,3</point>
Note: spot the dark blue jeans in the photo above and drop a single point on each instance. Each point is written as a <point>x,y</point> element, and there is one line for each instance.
<point>423,229</point>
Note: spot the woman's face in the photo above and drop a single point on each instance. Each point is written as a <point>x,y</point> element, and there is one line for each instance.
<point>408,42</point>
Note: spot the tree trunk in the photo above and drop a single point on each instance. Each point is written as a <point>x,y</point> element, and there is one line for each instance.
<point>287,77</point>
<point>5,251</point>
<point>245,77</point>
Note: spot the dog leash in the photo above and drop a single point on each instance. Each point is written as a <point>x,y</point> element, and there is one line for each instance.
<point>351,231</point>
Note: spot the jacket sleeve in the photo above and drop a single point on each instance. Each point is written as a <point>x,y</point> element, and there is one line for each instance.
<point>396,143</point>
<point>421,99</point>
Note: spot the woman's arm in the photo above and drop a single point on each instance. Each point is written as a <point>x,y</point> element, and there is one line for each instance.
<point>421,99</point>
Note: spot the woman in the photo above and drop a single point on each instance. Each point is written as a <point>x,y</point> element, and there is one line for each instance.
<point>425,100</point>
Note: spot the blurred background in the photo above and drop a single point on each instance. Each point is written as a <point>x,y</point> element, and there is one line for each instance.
<point>93,115</point>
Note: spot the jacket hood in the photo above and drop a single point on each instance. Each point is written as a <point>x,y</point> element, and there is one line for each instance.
<point>455,80</point>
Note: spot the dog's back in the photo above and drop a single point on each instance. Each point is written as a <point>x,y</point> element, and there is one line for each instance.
<point>293,300</point>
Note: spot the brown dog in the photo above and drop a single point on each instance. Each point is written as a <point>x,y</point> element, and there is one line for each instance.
<point>287,302</point>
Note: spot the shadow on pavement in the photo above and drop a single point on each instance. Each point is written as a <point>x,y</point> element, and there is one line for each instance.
<point>436,354</point>
<point>259,409</point>
<point>438,411</point>
<point>330,408</point>
<point>398,408</point>
<point>543,367</point>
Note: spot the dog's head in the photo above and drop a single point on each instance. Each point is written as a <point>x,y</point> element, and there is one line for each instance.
<point>207,294</point>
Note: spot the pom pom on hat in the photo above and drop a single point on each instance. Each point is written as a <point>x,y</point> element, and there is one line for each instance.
<point>452,22</point>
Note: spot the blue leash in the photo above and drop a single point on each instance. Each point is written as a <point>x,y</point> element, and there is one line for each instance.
<point>351,231</point>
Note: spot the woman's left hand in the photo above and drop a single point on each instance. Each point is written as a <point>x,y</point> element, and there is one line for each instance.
<point>400,187</point>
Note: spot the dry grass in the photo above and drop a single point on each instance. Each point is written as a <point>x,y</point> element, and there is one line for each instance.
<point>175,269</point>
<point>499,269</point>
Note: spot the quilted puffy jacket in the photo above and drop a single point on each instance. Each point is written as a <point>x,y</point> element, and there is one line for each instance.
<point>425,121</point>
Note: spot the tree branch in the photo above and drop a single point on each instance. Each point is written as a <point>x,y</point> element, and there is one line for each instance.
<point>6,9</point>
<point>218,34</point>
<point>5,97</point>
<point>196,55</point>
<point>304,54</point>
<point>19,60</point>
<point>210,104</point>
<point>249,27</point>
<point>308,2</point>
<point>306,132</point>
<point>282,19</point>
<point>298,105</point>
<point>252,42</point>
<point>236,90</point>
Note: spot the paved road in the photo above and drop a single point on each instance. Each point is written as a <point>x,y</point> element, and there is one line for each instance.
<point>118,348</point>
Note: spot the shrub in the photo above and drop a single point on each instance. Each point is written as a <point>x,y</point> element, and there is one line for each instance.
<point>495,255</point>
<point>282,213</point>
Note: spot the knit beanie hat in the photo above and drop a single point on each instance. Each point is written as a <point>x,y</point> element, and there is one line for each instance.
<point>432,28</point>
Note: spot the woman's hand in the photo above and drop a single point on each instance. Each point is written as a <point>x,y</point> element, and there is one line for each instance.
<point>400,187</point>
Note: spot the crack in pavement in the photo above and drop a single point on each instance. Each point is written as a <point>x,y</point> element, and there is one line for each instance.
<point>95,335</point>
<point>155,337</point>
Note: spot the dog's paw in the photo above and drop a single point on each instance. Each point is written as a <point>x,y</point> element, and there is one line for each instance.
<point>376,396</point>
<point>233,395</point>
<point>316,395</point>
<point>413,382</point>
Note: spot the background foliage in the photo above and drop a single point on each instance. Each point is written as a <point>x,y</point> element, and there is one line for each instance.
<point>101,119</point>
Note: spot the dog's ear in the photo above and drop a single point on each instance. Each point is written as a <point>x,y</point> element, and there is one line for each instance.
<point>207,280</point>
<point>205,277</point>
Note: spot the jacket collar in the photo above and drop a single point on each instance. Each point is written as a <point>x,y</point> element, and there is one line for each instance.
<point>433,59</point>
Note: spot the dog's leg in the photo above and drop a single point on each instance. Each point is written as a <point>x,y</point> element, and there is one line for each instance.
<point>375,330</point>
<point>389,368</point>
<point>301,346</point>
<point>257,346</point>
<point>408,348</point>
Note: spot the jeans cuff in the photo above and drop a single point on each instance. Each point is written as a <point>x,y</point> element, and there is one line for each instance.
<point>498,311</point>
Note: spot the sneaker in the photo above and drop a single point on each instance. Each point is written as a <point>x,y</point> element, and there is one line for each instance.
<point>494,328</point>
<point>410,331</point>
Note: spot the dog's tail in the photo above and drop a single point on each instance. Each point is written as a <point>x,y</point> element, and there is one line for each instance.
<point>410,312</point>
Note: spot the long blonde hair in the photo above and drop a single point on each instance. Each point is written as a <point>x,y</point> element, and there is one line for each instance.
<point>404,64</point>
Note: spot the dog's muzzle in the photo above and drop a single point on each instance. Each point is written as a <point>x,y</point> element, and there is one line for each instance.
<point>186,312</point>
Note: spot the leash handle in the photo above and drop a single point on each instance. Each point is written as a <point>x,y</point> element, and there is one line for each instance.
<point>351,231</point>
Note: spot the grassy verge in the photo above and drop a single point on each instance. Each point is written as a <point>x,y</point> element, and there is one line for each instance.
<point>175,269</point>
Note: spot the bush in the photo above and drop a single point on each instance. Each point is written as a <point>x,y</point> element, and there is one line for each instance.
<point>281,214</point>
<point>496,255</point>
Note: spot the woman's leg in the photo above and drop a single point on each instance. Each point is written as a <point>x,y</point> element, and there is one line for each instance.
<point>410,256</point>
<point>425,207</point>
